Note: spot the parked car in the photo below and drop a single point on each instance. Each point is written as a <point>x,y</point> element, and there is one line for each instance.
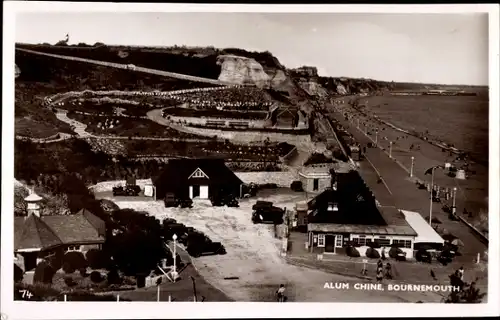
<point>445,257</point>
<point>204,248</point>
<point>170,200</point>
<point>268,215</point>
<point>185,203</point>
<point>297,186</point>
<point>131,191</point>
<point>224,200</point>
<point>423,256</point>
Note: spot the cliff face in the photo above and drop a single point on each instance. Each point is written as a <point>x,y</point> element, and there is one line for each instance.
<point>307,78</point>
<point>242,70</point>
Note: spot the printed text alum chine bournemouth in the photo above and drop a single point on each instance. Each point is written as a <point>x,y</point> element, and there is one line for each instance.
<point>390,287</point>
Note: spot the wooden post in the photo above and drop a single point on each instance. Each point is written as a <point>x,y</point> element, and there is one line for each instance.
<point>117,298</point>
<point>65,298</point>
<point>194,288</point>
<point>158,294</point>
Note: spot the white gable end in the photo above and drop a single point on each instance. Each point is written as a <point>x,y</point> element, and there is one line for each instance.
<point>198,173</point>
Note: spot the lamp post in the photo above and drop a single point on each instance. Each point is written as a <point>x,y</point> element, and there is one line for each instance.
<point>174,270</point>
<point>390,149</point>
<point>411,168</point>
<point>453,208</point>
<point>376,137</point>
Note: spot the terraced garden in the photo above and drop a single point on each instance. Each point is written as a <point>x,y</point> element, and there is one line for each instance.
<point>127,127</point>
<point>214,113</point>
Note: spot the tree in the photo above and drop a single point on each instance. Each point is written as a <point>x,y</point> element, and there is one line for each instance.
<point>18,273</point>
<point>43,273</point>
<point>20,207</point>
<point>468,293</point>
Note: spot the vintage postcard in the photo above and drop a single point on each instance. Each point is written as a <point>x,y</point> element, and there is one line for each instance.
<point>282,161</point>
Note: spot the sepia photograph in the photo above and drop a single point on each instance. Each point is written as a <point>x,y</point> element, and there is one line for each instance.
<point>342,155</point>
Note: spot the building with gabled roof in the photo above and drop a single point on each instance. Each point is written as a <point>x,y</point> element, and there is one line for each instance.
<point>39,236</point>
<point>199,178</point>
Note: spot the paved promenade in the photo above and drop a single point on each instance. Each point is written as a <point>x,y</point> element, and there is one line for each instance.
<point>408,197</point>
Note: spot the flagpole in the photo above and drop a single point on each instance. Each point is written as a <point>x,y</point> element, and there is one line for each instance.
<point>432,188</point>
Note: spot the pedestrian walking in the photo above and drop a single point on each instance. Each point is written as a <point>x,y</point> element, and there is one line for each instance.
<point>380,264</point>
<point>461,273</point>
<point>281,293</point>
<point>380,275</point>
<point>388,271</point>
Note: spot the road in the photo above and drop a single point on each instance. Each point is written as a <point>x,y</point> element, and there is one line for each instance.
<point>408,197</point>
<point>131,68</point>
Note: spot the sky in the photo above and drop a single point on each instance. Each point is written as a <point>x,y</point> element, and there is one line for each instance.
<point>428,48</point>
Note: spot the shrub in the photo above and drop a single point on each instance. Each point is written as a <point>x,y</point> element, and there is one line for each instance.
<point>75,259</point>
<point>96,277</point>
<point>43,273</point>
<point>372,253</point>
<point>114,277</point>
<point>18,273</point>
<point>70,282</point>
<point>68,268</point>
<point>83,272</point>
<point>352,252</point>
<point>393,253</point>
<point>97,259</point>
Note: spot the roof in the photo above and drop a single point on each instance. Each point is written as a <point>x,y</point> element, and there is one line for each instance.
<point>31,232</point>
<point>48,231</point>
<point>425,233</point>
<point>361,229</point>
<point>33,197</point>
<point>355,204</point>
<point>181,169</point>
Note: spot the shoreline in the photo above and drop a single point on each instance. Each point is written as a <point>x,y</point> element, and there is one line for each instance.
<point>433,141</point>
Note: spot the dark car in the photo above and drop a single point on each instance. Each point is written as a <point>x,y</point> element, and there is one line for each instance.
<point>423,256</point>
<point>170,200</point>
<point>297,186</point>
<point>185,203</point>
<point>268,215</point>
<point>205,248</point>
<point>445,257</point>
<point>131,191</point>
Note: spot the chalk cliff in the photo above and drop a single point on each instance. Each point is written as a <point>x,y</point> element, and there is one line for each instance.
<point>242,70</point>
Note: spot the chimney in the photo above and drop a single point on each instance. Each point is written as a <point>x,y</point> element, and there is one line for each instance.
<point>33,201</point>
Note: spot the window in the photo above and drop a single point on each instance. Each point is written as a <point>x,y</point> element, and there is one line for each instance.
<point>73,248</point>
<point>315,184</point>
<point>383,242</point>
<point>198,174</point>
<point>402,243</point>
<point>360,240</point>
<point>321,240</point>
<point>339,241</point>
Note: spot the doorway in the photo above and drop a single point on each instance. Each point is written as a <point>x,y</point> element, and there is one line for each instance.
<point>330,243</point>
<point>195,192</point>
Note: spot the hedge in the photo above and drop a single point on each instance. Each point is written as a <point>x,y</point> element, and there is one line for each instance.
<point>96,277</point>
<point>393,253</point>
<point>352,252</point>
<point>18,273</point>
<point>75,259</point>
<point>68,268</point>
<point>43,273</point>
<point>97,259</point>
<point>372,253</point>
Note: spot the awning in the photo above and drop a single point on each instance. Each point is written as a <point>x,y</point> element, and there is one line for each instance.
<point>425,233</point>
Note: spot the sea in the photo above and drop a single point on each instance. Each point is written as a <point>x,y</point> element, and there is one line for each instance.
<point>458,120</point>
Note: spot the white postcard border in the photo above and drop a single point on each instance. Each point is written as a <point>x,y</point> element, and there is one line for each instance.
<point>99,310</point>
